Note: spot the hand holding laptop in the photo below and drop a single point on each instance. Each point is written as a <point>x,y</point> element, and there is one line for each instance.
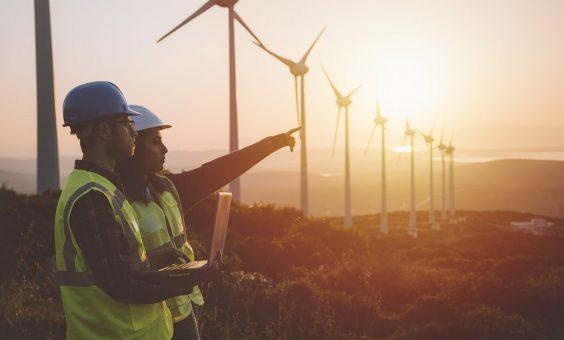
<point>200,270</point>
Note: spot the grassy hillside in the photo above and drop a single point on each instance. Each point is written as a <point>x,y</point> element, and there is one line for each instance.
<point>289,277</point>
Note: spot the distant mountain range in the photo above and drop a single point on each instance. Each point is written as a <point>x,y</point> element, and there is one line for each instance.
<point>534,186</point>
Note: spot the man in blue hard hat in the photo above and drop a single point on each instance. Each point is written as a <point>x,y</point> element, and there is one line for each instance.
<point>100,257</point>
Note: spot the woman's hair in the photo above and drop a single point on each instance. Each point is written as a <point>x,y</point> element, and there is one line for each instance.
<point>133,176</point>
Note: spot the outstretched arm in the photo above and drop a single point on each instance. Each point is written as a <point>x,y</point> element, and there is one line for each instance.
<point>195,185</point>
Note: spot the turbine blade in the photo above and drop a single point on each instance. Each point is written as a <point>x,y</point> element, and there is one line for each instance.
<point>432,128</point>
<point>304,58</point>
<point>238,18</point>
<point>370,139</point>
<point>201,10</point>
<point>336,130</point>
<point>378,113</point>
<point>285,61</point>
<point>353,91</point>
<point>337,93</point>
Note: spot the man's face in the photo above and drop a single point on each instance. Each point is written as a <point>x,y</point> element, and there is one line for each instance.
<point>122,143</point>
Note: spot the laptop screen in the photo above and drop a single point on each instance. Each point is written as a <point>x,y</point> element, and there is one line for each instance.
<point>220,228</point>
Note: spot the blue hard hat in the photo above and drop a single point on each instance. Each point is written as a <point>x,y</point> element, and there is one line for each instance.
<point>147,119</point>
<point>94,100</point>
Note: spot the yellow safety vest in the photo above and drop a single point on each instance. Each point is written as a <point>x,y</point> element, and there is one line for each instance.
<point>162,225</point>
<point>89,311</point>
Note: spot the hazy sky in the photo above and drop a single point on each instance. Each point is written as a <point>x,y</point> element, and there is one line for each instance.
<point>460,63</point>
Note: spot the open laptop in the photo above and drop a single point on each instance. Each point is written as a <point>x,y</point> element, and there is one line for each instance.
<point>217,241</point>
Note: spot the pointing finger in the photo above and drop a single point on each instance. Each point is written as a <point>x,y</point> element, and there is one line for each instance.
<point>294,130</point>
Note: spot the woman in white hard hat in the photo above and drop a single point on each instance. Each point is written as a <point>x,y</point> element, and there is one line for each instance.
<point>160,199</point>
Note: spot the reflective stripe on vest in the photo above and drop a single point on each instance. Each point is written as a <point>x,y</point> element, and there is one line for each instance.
<point>138,258</point>
<point>155,221</point>
<point>90,312</point>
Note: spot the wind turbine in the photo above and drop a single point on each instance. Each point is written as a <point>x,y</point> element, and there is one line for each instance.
<point>344,102</point>
<point>442,149</point>
<point>429,141</point>
<point>380,120</point>
<point>47,149</point>
<point>450,153</point>
<point>235,186</point>
<point>412,227</point>
<point>299,70</point>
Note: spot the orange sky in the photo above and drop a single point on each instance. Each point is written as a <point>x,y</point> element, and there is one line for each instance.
<point>460,64</point>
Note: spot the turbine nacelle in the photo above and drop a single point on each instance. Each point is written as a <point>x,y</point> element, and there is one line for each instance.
<point>380,121</point>
<point>226,3</point>
<point>428,138</point>
<point>204,8</point>
<point>410,133</point>
<point>343,101</point>
<point>298,69</point>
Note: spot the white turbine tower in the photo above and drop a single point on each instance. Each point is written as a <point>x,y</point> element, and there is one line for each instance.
<point>442,149</point>
<point>412,226</point>
<point>344,102</point>
<point>381,121</point>
<point>47,149</point>
<point>450,153</point>
<point>429,141</point>
<point>235,186</point>
<point>299,70</point>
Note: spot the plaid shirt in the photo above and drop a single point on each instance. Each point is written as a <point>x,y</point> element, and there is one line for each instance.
<point>106,251</point>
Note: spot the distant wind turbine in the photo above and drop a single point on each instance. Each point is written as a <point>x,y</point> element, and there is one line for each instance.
<point>47,148</point>
<point>344,102</point>
<point>380,120</point>
<point>412,227</point>
<point>450,152</point>
<point>235,186</point>
<point>299,70</point>
<point>442,149</point>
<point>429,141</point>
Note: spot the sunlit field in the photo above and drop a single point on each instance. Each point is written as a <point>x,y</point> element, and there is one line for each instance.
<point>290,277</point>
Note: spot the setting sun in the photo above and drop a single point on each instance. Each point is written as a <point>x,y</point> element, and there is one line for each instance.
<point>402,149</point>
<point>409,84</point>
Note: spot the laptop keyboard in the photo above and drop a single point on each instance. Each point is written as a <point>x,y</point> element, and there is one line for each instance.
<point>183,266</point>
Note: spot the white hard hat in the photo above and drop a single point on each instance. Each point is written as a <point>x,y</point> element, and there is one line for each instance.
<point>147,119</point>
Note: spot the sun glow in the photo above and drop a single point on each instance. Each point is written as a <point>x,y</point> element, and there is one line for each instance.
<point>409,85</point>
<point>402,149</point>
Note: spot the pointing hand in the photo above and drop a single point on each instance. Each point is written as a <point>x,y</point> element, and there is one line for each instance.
<point>290,140</point>
<point>285,139</point>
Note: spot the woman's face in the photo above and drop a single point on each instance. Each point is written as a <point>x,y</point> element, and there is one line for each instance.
<point>152,150</point>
